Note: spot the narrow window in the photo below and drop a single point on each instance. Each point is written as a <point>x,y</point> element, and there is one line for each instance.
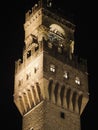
<point>28,53</point>
<point>28,76</point>
<point>66,75</point>
<point>77,80</point>
<point>62,115</point>
<point>36,47</point>
<point>52,68</point>
<point>36,68</point>
<point>20,82</point>
<point>60,49</point>
<point>35,39</point>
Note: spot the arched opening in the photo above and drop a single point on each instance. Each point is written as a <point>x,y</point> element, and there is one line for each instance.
<point>21,104</point>
<point>56,91</point>
<point>34,94</point>
<point>39,91</point>
<point>74,100</point>
<point>30,97</point>
<point>50,88</point>
<point>25,100</point>
<point>68,97</point>
<point>62,95</point>
<point>80,102</point>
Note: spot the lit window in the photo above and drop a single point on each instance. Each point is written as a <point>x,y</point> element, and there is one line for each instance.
<point>52,68</point>
<point>77,80</point>
<point>55,31</point>
<point>66,75</point>
<point>60,48</point>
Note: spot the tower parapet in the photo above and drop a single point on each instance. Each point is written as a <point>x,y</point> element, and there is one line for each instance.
<point>32,11</point>
<point>37,6</point>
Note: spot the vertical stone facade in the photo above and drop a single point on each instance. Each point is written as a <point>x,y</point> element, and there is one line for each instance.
<point>51,85</point>
<point>47,116</point>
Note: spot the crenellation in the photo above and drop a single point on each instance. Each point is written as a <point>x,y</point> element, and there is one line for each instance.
<point>31,12</point>
<point>82,66</point>
<point>74,98</point>
<point>45,12</point>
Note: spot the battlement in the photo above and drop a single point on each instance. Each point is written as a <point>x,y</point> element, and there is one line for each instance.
<point>62,95</point>
<point>47,12</point>
<point>37,6</point>
<point>80,65</point>
<point>57,93</point>
<point>32,11</point>
<point>75,62</point>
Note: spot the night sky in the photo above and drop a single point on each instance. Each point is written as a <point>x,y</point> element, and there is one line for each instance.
<point>12,42</point>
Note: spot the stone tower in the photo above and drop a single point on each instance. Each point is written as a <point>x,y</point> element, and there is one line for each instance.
<point>51,85</point>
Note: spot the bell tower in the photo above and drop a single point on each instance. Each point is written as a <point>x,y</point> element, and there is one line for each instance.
<point>51,84</point>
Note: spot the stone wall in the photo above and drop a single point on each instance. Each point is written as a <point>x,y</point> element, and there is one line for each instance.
<point>48,116</point>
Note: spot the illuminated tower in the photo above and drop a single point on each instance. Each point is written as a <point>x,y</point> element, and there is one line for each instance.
<point>51,85</point>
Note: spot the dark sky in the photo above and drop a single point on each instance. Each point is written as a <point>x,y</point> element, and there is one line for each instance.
<point>12,41</point>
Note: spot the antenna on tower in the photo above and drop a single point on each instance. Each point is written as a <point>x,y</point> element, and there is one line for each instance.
<point>49,3</point>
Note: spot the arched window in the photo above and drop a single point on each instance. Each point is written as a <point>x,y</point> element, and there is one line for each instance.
<point>74,99</point>
<point>66,75</point>
<point>80,102</point>
<point>60,49</point>
<point>68,96</point>
<point>52,68</point>
<point>50,88</point>
<point>77,80</point>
